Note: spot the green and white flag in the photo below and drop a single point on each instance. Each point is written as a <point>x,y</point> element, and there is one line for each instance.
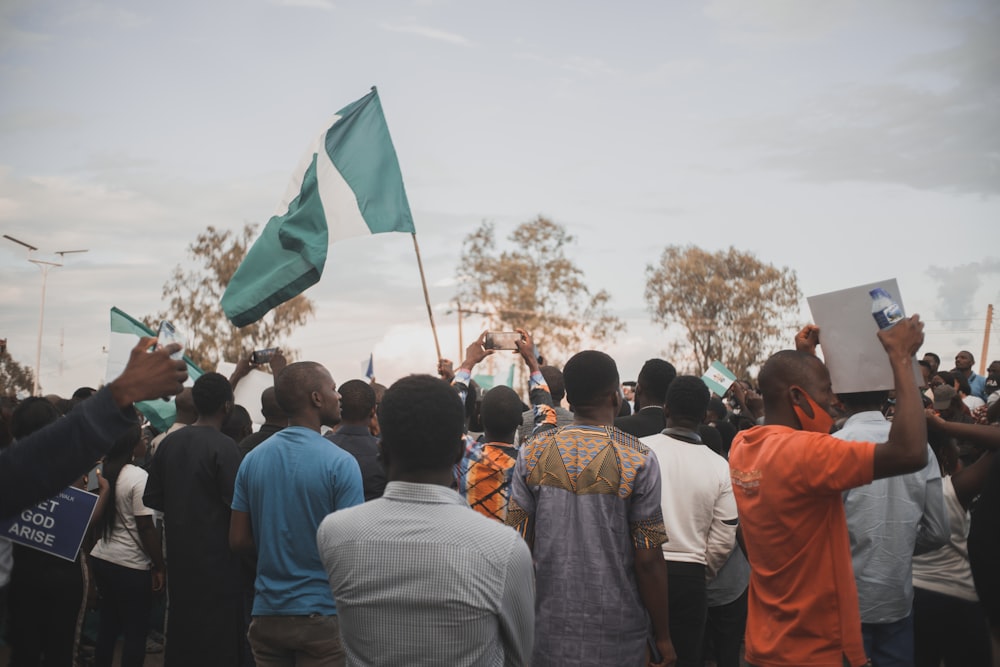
<point>348,184</point>
<point>125,333</point>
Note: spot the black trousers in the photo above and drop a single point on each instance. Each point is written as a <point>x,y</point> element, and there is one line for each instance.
<point>44,598</point>
<point>949,629</point>
<point>688,609</point>
<point>724,630</point>
<point>126,600</point>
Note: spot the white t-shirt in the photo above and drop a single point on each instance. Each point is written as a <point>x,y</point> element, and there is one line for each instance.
<point>122,545</point>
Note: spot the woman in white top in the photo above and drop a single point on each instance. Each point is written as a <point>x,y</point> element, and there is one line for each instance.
<point>127,562</point>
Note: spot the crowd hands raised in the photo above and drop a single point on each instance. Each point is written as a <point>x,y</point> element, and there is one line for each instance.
<point>635,523</point>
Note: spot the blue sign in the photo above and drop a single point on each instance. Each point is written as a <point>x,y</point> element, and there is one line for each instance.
<point>55,526</point>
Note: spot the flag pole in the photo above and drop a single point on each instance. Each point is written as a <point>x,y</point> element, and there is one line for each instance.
<point>427,298</point>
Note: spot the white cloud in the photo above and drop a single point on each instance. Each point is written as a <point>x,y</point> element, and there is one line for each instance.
<point>958,288</point>
<point>938,130</point>
<point>105,14</point>
<point>12,34</point>
<point>585,65</point>
<point>326,5</point>
<point>428,32</point>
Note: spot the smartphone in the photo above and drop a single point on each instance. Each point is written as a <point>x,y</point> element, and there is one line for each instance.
<point>168,334</point>
<point>262,356</point>
<point>502,340</point>
<point>92,484</point>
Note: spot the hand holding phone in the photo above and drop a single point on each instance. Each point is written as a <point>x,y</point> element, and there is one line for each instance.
<point>168,334</point>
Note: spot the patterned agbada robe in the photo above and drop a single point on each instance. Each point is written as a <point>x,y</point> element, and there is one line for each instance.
<point>585,498</point>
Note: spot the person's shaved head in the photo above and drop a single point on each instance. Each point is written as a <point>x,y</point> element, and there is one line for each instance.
<point>269,406</point>
<point>295,384</point>
<point>790,368</point>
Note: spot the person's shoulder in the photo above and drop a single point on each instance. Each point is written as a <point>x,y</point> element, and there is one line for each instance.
<point>481,533</point>
<point>345,524</point>
<point>656,441</point>
<point>133,475</point>
<point>624,439</point>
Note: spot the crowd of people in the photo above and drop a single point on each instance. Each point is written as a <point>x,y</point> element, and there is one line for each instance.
<point>598,523</point>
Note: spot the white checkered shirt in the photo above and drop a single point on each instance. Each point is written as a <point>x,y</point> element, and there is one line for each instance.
<point>421,579</point>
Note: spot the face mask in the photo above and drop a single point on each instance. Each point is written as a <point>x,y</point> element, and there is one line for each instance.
<point>820,422</point>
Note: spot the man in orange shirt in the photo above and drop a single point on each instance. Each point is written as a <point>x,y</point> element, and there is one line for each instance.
<point>788,476</point>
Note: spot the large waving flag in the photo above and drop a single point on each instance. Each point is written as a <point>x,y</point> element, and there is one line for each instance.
<point>348,184</point>
<point>125,333</point>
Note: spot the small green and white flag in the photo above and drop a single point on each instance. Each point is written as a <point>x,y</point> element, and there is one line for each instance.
<point>125,333</point>
<point>349,184</point>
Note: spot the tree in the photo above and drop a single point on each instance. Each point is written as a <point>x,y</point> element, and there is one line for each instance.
<point>534,286</point>
<point>732,307</point>
<point>14,378</point>
<point>193,294</point>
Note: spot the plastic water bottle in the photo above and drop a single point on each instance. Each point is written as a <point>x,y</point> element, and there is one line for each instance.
<point>884,309</point>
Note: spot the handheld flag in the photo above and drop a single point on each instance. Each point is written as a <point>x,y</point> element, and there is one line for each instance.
<point>348,184</point>
<point>125,333</point>
<point>370,368</point>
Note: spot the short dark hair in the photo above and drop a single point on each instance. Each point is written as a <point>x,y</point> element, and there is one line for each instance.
<point>687,398</point>
<point>422,422</point>
<point>295,384</point>
<point>83,392</point>
<point>937,359</point>
<point>269,404</point>
<point>210,392</point>
<point>237,423</point>
<point>925,364</point>
<point>501,410</point>
<point>963,384</point>
<point>357,399</point>
<point>554,378</point>
<point>655,378</point>
<point>717,407</point>
<point>589,375</point>
<point>32,414</point>
<point>947,377</point>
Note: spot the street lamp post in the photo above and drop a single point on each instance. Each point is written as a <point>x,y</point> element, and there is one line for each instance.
<point>44,266</point>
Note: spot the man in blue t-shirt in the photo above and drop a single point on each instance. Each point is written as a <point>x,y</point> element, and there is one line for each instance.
<point>284,489</point>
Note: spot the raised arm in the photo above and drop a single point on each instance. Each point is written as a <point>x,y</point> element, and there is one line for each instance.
<point>47,461</point>
<point>906,449</point>
<point>541,399</point>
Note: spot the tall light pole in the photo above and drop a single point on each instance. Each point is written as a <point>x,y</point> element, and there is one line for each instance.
<point>44,266</point>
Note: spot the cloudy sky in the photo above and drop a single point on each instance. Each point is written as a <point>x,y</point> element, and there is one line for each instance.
<point>850,141</point>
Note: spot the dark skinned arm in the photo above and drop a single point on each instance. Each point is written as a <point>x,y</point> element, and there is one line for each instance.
<point>241,537</point>
<point>906,449</point>
<point>969,481</point>
<point>651,577</point>
<point>150,539</point>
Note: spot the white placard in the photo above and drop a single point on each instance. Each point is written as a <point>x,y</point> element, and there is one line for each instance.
<point>249,389</point>
<point>848,338</point>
